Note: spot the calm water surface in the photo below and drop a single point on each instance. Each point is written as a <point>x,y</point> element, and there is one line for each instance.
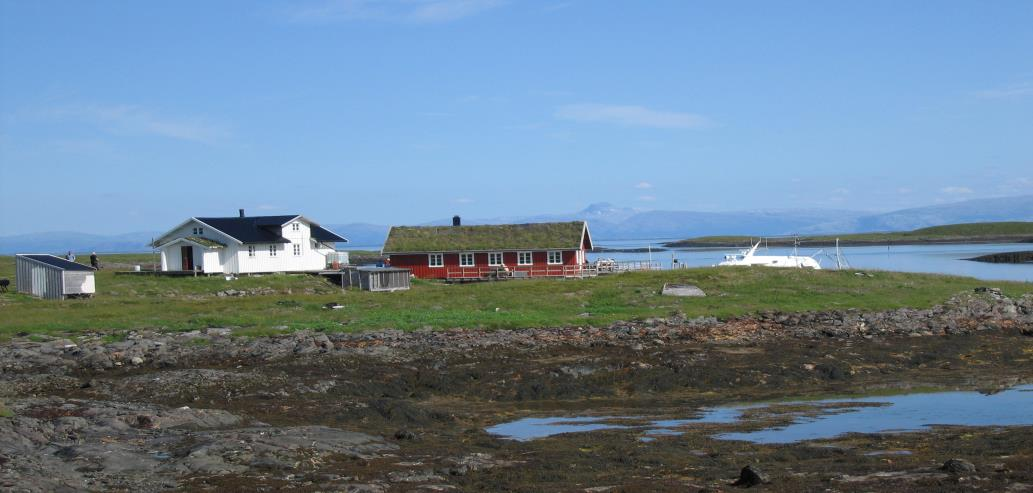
<point>825,418</point>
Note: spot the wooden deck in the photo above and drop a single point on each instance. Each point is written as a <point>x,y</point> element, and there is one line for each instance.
<point>190,273</point>
<point>469,274</point>
<point>473,274</point>
<point>165,273</point>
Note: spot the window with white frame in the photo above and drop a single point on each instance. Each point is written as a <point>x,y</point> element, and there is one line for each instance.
<point>495,259</point>
<point>436,260</point>
<point>272,250</point>
<point>524,258</point>
<point>250,250</point>
<point>198,231</point>
<point>466,260</point>
<point>555,257</point>
<point>297,250</point>
<point>295,227</point>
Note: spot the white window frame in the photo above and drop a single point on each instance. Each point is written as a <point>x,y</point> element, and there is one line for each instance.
<point>297,249</point>
<point>251,251</point>
<point>520,258</point>
<point>198,231</point>
<point>439,257</point>
<point>295,227</point>
<point>495,259</point>
<point>272,249</point>
<point>559,255</point>
<point>463,257</point>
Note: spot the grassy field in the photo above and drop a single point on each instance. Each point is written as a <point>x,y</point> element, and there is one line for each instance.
<point>290,302</point>
<point>1003,232</point>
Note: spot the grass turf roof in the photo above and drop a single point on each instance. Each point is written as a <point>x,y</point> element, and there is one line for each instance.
<point>200,240</point>
<point>535,236</point>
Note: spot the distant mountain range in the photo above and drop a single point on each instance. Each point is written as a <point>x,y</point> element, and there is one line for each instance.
<point>609,222</point>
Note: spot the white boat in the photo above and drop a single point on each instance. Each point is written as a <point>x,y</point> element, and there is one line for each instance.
<point>750,257</point>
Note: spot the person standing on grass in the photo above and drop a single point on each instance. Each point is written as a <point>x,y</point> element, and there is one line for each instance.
<point>94,261</point>
<point>70,257</point>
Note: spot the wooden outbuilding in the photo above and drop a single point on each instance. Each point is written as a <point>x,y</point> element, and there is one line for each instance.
<point>495,251</point>
<point>54,278</point>
<point>371,278</point>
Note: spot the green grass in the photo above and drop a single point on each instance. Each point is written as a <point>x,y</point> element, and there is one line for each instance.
<point>4,412</point>
<point>972,232</point>
<point>296,301</point>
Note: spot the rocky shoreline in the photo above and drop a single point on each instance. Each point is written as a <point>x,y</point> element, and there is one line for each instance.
<point>1024,257</point>
<point>965,313</point>
<point>366,411</point>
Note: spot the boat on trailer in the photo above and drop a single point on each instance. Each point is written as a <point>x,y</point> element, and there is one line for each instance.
<point>749,257</point>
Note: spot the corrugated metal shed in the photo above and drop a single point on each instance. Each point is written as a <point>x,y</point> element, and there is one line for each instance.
<point>54,278</point>
<point>374,278</point>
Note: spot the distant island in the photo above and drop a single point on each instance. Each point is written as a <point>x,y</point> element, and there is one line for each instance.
<point>1006,258</point>
<point>628,250</point>
<point>987,232</point>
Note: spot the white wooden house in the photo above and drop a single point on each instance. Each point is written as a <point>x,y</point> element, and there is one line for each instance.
<point>246,245</point>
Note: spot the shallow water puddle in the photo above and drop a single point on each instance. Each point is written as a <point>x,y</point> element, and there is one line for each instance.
<point>826,419</point>
<point>531,428</point>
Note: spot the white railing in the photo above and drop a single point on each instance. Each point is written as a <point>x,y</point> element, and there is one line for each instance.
<point>334,260</point>
<point>615,267</point>
<point>522,272</point>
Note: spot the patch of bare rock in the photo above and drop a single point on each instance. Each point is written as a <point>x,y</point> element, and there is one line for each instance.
<point>78,445</point>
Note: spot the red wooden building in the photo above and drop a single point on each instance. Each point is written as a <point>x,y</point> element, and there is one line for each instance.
<point>493,251</point>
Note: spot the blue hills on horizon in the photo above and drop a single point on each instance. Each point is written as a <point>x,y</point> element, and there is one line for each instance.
<point>609,222</point>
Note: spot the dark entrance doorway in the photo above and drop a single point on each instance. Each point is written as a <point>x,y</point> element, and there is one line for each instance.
<point>187,253</point>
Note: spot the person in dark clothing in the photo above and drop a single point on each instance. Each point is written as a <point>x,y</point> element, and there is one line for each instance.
<point>94,261</point>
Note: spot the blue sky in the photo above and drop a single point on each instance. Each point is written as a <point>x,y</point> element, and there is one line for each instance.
<point>128,116</point>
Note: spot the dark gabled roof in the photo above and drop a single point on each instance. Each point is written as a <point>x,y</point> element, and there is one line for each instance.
<point>320,233</point>
<point>265,229</point>
<point>258,229</point>
<point>535,236</point>
<point>58,262</point>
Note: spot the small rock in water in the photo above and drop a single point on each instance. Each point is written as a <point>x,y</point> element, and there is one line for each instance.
<point>751,476</point>
<point>405,435</point>
<point>958,466</point>
<point>136,360</point>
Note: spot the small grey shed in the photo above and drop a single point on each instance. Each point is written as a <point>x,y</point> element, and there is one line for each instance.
<point>53,278</point>
<point>374,278</point>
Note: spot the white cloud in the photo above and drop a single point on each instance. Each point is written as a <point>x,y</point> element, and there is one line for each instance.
<point>557,6</point>
<point>1016,185</point>
<point>1012,91</point>
<point>409,11</point>
<point>450,10</point>
<point>903,190</point>
<point>956,190</point>
<point>647,198</point>
<point>635,116</point>
<point>643,185</point>
<point>136,120</point>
